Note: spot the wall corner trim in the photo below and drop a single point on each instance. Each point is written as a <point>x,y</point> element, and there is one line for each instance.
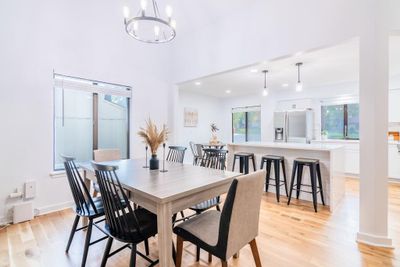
<point>374,240</point>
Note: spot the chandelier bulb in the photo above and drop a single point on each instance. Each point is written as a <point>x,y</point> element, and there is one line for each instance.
<point>143,4</point>
<point>126,12</point>
<point>168,11</point>
<point>135,26</point>
<point>173,24</point>
<point>265,92</point>
<point>156,31</point>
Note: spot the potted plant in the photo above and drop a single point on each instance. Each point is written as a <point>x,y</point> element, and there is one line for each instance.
<point>214,138</point>
<point>324,135</point>
<point>153,137</point>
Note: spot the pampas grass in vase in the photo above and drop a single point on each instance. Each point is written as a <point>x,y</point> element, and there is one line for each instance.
<point>153,137</point>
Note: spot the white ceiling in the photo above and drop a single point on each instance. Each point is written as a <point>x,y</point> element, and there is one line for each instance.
<point>332,65</point>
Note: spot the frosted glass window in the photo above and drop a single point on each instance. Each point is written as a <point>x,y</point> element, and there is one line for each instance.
<point>73,125</point>
<point>89,115</point>
<point>113,123</point>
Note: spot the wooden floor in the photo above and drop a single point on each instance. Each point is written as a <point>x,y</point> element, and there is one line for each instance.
<point>289,236</point>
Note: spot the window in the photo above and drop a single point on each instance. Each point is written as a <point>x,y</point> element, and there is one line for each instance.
<point>340,121</point>
<point>246,124</point>
<point>89,115</point>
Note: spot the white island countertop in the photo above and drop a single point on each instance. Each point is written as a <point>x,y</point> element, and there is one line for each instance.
<point>299,146</point>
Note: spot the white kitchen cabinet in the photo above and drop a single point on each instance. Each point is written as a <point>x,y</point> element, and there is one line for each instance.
<point>295,104</point>
<point>394,107</point>
<point>352,164</point>
<point>394,162</point>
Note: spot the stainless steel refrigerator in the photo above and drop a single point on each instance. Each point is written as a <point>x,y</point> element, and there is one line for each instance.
<point>294,126</point>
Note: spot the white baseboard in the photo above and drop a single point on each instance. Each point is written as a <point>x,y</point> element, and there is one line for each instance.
<point>374,240</point>
<point>53,208</point>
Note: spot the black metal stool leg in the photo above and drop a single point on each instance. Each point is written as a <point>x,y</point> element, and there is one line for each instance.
<point>284,176</point>
<point>320,183</point>
<point>262,164</point>
<point>268,175</point>
<point>299,179</point>
<point>277,179</point>
<point>292,181</point>
<point>241,164</point>
<point>234,161</point>
<point>246,165</point>
<point>313,185</point>
<point>254,163</point>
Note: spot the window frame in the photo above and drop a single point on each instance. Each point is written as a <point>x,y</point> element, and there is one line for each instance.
<point>246,111</point>
<point>345,120</point>
<point>95,110</point>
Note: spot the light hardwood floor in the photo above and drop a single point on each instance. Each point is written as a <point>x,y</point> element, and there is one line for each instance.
<point>289,236</point>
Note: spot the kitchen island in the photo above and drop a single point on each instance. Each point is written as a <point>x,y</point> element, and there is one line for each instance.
<point>331,160</point>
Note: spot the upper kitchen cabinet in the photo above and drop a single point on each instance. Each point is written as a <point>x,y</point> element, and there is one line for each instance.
<point>394,108</point>
<point>295,104</point>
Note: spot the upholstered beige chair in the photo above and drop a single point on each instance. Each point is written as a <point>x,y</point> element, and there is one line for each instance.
<point>101,155</point>
<point>224,233</point>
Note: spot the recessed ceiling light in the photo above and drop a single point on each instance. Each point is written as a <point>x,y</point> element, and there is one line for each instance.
<point>254,70</point>
<point>197,83</point>
<point>285,84</point>
<point>228,91</point>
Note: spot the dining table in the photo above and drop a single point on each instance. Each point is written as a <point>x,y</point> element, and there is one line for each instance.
<point>167,192</point>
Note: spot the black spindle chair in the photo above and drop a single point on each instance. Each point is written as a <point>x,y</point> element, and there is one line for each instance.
<point>85,206</point>
<point>123,222</point>
<point>197,154</point>
<point>176,154</point>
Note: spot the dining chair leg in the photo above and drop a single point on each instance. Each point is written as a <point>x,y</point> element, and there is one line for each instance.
<point>87,242</point>
<point>254,250</point>
<point>218,208</point>
<point>106,252</point>
<point>146,247</point>
<point>224,263</point>
<point>132,262</point>
<point>197,253</point>
<point>209,257</point>
<point>73,230</point>
<point>236,255</point>
<point>179,250</point>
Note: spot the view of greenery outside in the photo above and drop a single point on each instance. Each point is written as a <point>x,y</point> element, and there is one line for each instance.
<point>335,118</point>
<point>353,125</point>
<point>253,131</point>
<point>254,126</point>
<point>239,127</point>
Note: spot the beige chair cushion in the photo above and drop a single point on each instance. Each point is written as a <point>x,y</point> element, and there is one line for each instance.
<point>101,155</point>
<point>204,226</point>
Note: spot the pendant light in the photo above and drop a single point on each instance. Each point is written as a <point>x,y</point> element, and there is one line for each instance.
<point>299,84</point>
<point>265,91</point>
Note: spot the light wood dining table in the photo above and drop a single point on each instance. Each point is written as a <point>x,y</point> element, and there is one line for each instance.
<point>166,193</point>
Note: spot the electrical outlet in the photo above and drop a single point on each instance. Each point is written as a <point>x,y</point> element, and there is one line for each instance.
<point>30,189</point>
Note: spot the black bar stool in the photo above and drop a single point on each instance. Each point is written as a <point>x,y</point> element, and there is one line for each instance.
<point>244,159</point>
<point>276,160</point>
<point>315,171</point>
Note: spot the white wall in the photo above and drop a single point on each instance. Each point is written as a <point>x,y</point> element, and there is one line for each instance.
<point>79,38</point>
<point>209,111</point>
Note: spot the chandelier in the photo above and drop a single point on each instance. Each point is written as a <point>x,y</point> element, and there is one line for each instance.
<point>148,26</point>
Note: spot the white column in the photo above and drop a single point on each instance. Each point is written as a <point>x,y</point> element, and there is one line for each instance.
<point>374,84</point>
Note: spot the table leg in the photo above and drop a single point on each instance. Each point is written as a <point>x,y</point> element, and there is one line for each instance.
<point>88,184</point>
<point>164,224</point>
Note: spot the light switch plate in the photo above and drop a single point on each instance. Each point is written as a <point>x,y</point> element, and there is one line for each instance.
<point>30,189</point>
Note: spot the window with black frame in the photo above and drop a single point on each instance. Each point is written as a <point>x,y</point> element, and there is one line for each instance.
<point>89,115</point>
<point>246,124</point>
<point>340,121</point>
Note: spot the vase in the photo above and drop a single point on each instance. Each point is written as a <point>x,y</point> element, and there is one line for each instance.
<point>154,162</point>
<point>214,139</point>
